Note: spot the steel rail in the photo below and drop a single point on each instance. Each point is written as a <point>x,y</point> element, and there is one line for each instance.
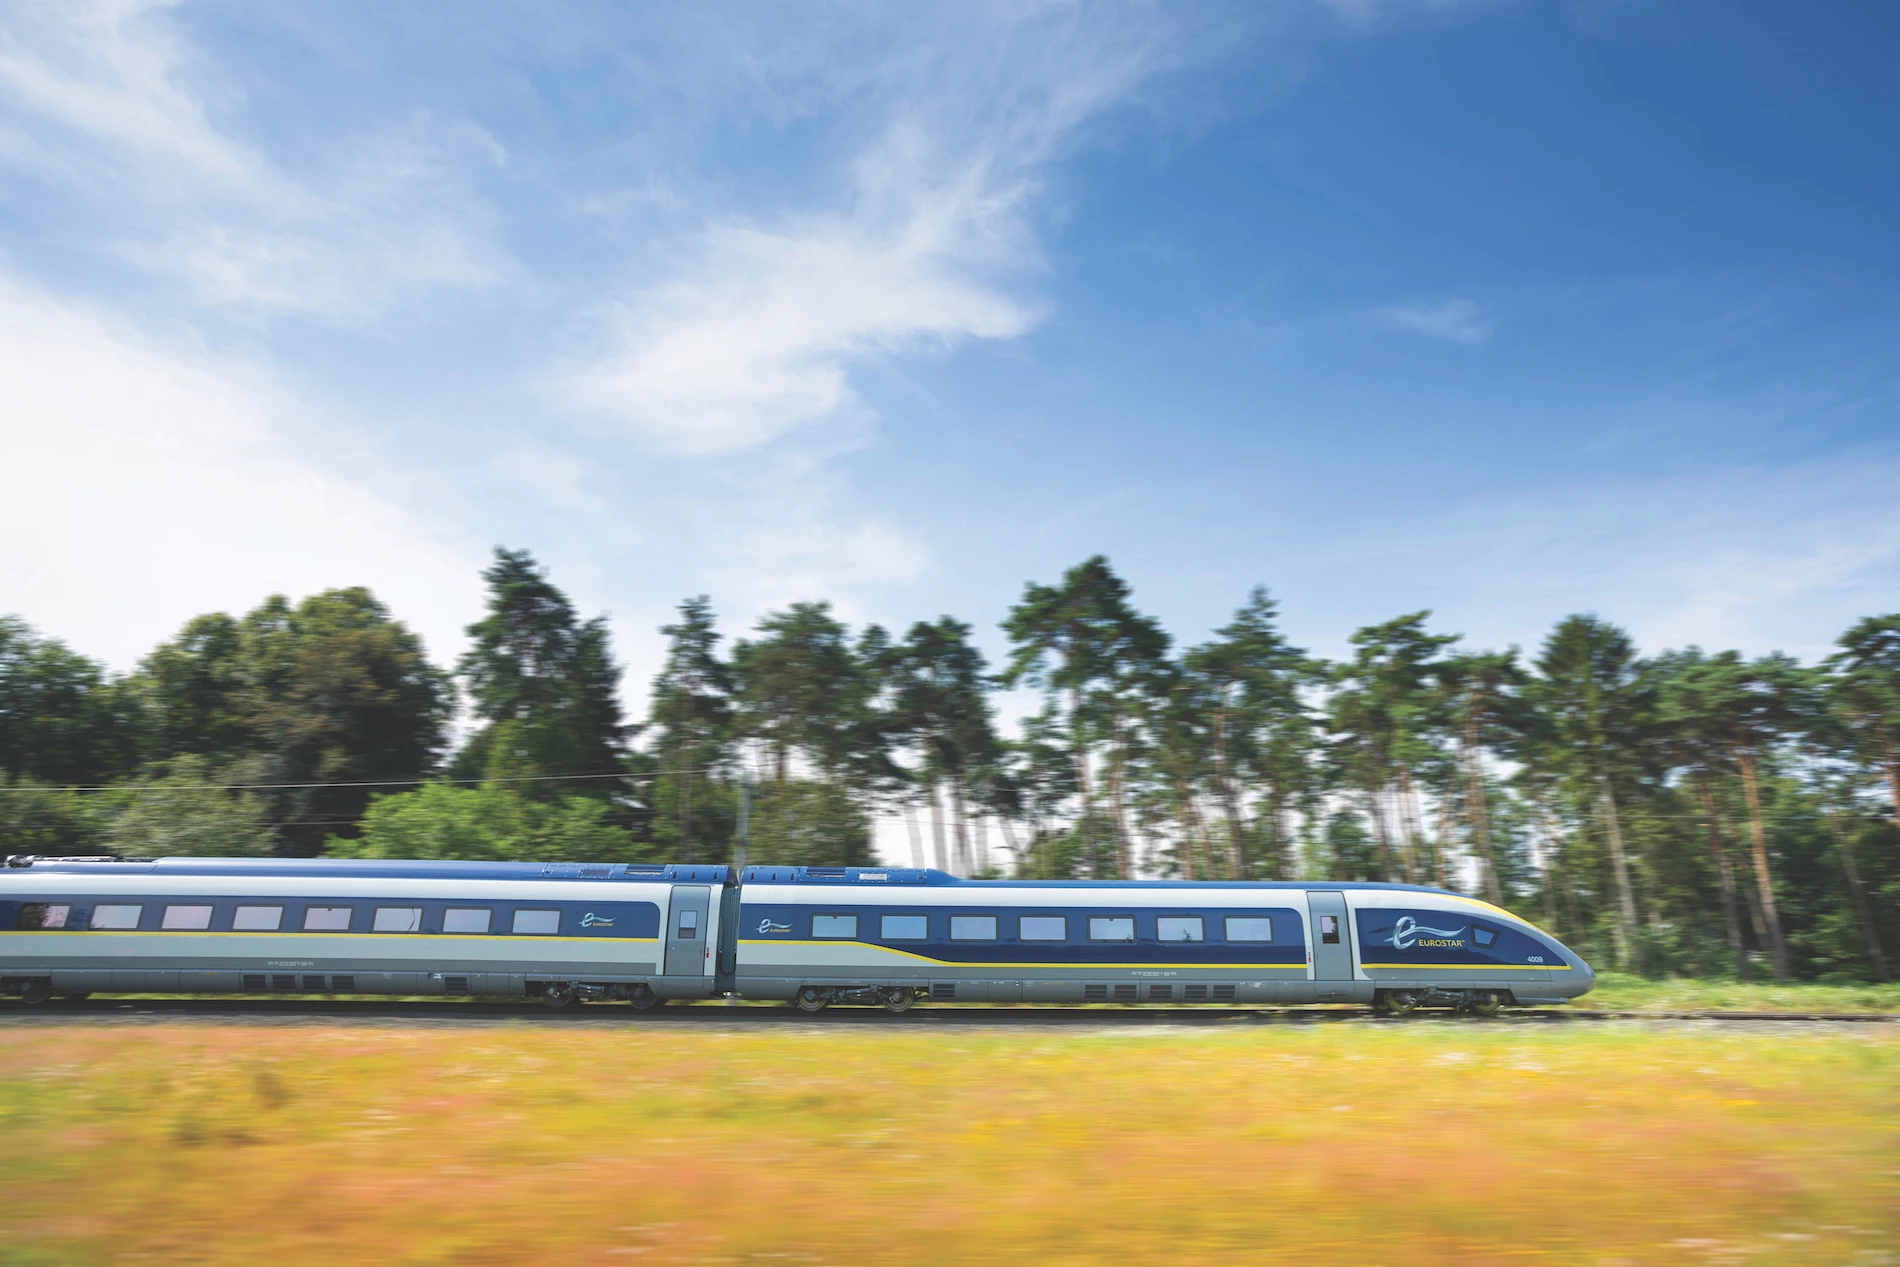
<point>480,1011</point>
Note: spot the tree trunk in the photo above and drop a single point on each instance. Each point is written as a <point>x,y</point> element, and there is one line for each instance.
<point>1548,865</point>
<point>1441,846</point>
<point>1624,925</point>
<point>1408,843</point>
<point>916,836</point>
<point>686,801</point>
<point>1890,758</point>
<point>1570,899</point>
<point>1380,834</point>
<point>966,859</point>
<point>1777,947</point>
<point>1725,874</point>
<point>1274,815</point>
<point>1184,819</point>
<point>1861,909</point>
<point>936,828</point>
<point>1080,749</point>
<point>1117,775</point>
<point>1229,791</point>
<point>1478,811</point>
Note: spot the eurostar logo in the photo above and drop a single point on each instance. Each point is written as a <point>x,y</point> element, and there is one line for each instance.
<point>591,920</point>
<point>767,926</point>
<point>1407,931</point>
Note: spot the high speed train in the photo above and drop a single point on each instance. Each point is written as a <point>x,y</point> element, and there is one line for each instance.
<point>812,936</point>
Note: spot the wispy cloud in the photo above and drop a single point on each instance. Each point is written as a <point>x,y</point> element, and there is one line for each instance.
<point>111,105</point>
<point>1456,320</point>
<point>931,244</point>
<point>114,72</point>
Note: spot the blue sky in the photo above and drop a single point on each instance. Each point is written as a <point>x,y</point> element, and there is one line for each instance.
<point>1506,310</point>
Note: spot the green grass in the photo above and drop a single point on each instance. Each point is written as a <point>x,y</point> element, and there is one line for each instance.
<point>1359,1143</point>
<point>1618,991</point>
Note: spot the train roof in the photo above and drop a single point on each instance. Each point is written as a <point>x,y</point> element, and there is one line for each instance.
<point>856,876</point>
<point>662,873</point>
<point>380,868</point>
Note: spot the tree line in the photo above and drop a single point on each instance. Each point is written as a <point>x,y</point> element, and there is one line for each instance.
<point>1691,811</point>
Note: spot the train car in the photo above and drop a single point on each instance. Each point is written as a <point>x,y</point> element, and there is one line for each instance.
<point>561,931</point>
<point>816,936</point>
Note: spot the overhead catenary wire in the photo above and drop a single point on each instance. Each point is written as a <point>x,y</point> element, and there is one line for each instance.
<point>265,787</point>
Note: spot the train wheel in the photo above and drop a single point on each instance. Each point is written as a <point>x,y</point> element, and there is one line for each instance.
<point>1399,1002</point>
<point>898,1000</point>
<point>36,992</point>
<point>1485,1002</point>
<point>644,1000</point>
<point>811,999</point>
<point>559,996</point>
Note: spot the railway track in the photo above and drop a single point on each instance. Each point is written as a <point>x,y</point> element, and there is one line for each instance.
<point>433,1012</point>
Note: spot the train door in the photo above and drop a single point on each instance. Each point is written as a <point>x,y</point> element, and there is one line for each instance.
<point>686,931</point>
<point>1332,947</point>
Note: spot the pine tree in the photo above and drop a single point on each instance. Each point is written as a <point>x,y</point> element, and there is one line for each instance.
<point>546,685</point>
<point>691,717</point>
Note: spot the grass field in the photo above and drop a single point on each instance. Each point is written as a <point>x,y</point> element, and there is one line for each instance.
<point>1356,1143</point>
<point>1617,991</point>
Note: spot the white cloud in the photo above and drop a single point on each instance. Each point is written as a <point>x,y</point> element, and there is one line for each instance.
<point>146,482</point>
<point>112,106</point>
<point>756,331</point>
<point>758,339</point>
<point>112,70</point>
<point>1456,320</point>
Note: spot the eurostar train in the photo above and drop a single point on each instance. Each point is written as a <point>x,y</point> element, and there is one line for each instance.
<point>812,936</point>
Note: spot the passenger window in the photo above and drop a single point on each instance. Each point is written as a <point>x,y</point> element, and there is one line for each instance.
<point>905,927</point>
<point>116,916</point>
<point>1112,928</point>
<point>1329,930</point>
<point>1251,928</point>
<point>834,927</point>
<point>689,925</point>
<point>187,918</point>
<point>972,928</point>
<point>43,915</point>
<point>1485,936</point>
<point>465,919</point>
<point>1045,928</point>
<point>327,919</point>
<point>398,919</point>
<point>1180,928</point>
<point>537,923</point>
<point>257,919</point>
